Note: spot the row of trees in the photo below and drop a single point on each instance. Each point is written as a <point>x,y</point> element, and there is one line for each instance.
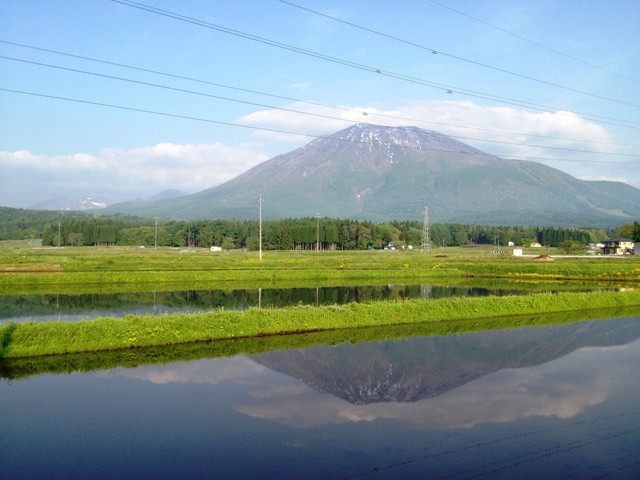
<point>81,228</point>
<point>23,224</point>
<point>298,233</point>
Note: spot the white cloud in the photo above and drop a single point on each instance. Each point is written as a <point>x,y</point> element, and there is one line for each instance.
<point>121,174</point>
<point>464,119</point>
<point>118,174</point>
<point>238,369</point>
<point>24,158</point>
<point>546,390</point>
<point>561,139</point>
<point>306,118</point>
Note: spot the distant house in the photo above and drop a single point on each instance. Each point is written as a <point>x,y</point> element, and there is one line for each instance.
<point>618,246</point>
<point>216,248</point>
<point>535,245</point>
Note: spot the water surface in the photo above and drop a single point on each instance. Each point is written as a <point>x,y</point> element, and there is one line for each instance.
<point>554,402</point>
<point>71,308</point>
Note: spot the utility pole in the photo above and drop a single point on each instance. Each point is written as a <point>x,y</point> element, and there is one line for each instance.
<point>260,234</point>
<point>58,234</point>
<point>426,237</point>
<point>317,232</point>
<point>156,242</point>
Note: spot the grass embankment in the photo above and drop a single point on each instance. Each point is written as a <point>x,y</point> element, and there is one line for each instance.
<point>30,339</point>
<point>22,367</point>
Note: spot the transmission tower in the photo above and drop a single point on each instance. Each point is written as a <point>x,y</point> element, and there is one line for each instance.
<point>426,237</point>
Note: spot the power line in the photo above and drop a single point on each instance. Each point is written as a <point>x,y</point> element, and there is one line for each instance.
<point>444,88</point>
<point>274,130</point>
<point>567,160</point>
<point>154,112</point>
<point>218,97</point>
<point>439,52</point>
<point>346,109</point>
<point>533,42</point>
<point>175,89</point>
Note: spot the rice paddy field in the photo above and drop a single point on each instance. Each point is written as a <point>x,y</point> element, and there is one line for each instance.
<point>613,283</point>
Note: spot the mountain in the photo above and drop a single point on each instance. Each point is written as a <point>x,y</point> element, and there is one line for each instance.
<point>94,203</point>
<point>391,173</point>
<point>68,203</point>
<point>164,195</point>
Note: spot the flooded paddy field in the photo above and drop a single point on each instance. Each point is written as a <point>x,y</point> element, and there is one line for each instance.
<point>535,402</point>
<point>39,307</point>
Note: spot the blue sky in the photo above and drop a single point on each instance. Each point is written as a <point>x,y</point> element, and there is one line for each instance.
<point>555,81</point>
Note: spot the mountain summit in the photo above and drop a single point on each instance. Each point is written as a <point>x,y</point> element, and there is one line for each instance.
<point>391,173</point>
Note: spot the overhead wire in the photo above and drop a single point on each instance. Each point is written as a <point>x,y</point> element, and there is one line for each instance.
<point>180,17</point>
<point>533,42</point>
<point>456,57</point>
<point>153,112</point>
<point>514,460</point>
<point>345,109</point>
<point>444,88</point>
<point>273,130</point>
<point>218,97</point>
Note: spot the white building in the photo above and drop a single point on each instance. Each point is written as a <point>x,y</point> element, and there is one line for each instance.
<point>618,246</point>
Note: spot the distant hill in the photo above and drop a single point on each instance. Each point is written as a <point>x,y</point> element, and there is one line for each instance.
<point>73,204</point>
<point>142,203</point>
<point>96,203</point>
<point>391,173</point>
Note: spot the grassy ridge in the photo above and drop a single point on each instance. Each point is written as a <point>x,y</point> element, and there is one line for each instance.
<point>17,368</point>
<point>29,339</point>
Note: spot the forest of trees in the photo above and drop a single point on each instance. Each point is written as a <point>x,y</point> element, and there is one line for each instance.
<point>84,229</point>
<point>298,233</point>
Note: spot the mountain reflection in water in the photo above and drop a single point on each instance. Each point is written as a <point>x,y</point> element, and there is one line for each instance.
<point>553,402</point>
<point>414,369</point>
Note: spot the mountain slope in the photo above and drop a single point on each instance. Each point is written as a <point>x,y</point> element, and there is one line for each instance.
<point>387,173</point>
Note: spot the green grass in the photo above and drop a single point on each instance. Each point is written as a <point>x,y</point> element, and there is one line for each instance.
<point>17,368</point>
<point>23,270</point>
<point>32,339</point>
<point>27,270</point>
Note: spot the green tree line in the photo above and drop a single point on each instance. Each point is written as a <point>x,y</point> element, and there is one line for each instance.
<point>299,234</point>
<point>85,229</point>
